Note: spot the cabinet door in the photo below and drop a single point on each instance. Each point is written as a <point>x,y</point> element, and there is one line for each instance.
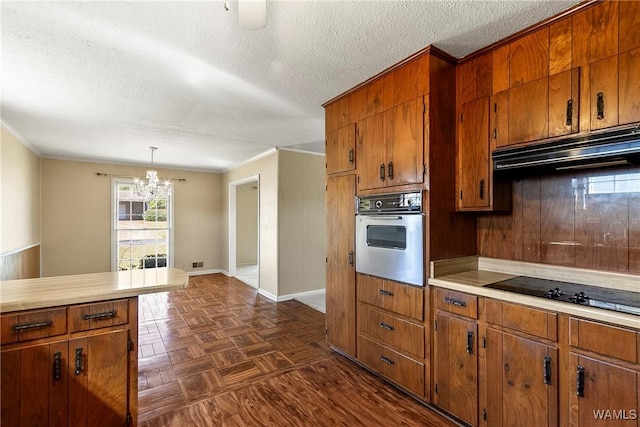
<point>99,379</point>
<point>456,367</point>
<point>522,381</point>
<point>603,90</point>
<point>629,66</point>
<point>564,103</point>
<point>341,273</point>
<point>340,149</point>
<point>473,155</point>
<point>405,144</point>
<point>528,111</point>
<point>371,153</point>
<point>605,394</point>
<point>34,386</point>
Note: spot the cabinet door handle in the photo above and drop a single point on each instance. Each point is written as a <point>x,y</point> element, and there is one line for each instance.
<point>385,293</point>
<point>470,342</point>
<point>580,381</point>
<point>351,258</point>
<point>387,360</point>
<point>481,189</point>
<point>381,171</point>
<point>57,362</point>
<point>547,369</point>
<point>390,170</point>
<point>569,112</point>
<point>98,316</point>
<point>351,156</point>
<point>386,326</point>
<point>32,325</point>
<point>454,301</point>
<point>600,105</point>
<point>78,360</point>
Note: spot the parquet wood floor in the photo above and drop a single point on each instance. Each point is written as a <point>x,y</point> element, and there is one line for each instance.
<point>219,354</point>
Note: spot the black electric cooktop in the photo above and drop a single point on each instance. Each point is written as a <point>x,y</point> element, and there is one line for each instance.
<point>593,296</point>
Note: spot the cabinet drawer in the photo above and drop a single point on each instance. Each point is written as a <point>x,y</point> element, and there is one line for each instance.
<point>33,324</point>
<point>400,369</point>
<point>532,321</point>
<point>613,341</point>
<point>392,330</point>
<point>85,317</point>
<point>457,302</point>
<point>393,296</point>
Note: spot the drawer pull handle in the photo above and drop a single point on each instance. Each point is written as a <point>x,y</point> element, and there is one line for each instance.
<point>454,301</point>
<point>469,342</point>
<point>547,369</point>
<point>351,156</point>
<point>385,293</point>
<point>98,316</point>
<point>78,360</point>
<point>390,170</point>
<point>32,325</point>
<point>386,326</point>
<point>580,381</point>
<point>57,363</point>
<point>382,172</point>
<point>387,360</point>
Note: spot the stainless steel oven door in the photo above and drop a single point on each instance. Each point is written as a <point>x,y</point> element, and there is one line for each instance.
<point>390,246</point>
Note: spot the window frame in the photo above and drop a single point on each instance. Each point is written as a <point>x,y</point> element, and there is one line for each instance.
<point>115,182</point>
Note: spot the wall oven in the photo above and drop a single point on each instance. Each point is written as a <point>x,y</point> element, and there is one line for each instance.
<point>389,237</point>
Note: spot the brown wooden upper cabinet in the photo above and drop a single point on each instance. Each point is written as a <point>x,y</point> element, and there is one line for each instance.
<point>473,155</point>
<point>543,108</point>
<point>341,149</point>
<point>390,147</point>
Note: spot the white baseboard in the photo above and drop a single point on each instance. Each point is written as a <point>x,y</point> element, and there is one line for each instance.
<point>299,294</point>
<point>214,271</point>
<point>269,295</point>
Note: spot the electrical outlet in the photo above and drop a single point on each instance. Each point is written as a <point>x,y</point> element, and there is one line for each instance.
<point>200,264</point>
<point>194,265</point>
<point>197,264</point>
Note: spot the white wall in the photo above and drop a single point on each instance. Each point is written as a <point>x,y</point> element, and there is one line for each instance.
<point>266,167</point>
<point>19,195</point>
<point>76,217</point>
<point>302,222</point>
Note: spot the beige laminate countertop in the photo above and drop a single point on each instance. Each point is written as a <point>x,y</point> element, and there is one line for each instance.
<point>16,295</point>
<point>477,273</point>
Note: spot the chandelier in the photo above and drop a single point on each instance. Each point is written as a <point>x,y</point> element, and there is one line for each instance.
<point>152,188</point>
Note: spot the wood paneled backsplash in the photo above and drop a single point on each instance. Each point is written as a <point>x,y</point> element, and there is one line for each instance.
<point>587,219</point>
<point>24,264</point>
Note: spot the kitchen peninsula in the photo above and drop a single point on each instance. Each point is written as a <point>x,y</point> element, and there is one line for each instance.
<point>70,343</point>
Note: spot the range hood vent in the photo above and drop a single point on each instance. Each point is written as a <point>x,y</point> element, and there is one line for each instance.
<point>597,149</point>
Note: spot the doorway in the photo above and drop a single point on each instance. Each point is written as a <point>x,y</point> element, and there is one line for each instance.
<point>244,224</point>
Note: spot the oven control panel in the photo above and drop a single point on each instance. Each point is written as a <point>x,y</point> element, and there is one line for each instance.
<point>389,203</point>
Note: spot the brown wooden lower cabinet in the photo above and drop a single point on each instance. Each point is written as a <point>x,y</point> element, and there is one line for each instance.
<point>392,338</point>
<point>456,367</point>
<point>86,378</point>
<point>605,393</point>
<point>522,381</point>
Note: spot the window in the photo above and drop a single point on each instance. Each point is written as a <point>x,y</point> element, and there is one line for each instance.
<point>142,233</point>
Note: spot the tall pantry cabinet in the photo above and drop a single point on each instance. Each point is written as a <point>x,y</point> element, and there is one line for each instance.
<point>393,133</point>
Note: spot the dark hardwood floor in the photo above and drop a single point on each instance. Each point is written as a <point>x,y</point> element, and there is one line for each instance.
<point>219,354</point>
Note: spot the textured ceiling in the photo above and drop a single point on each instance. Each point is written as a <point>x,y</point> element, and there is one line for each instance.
<point>103,81</point>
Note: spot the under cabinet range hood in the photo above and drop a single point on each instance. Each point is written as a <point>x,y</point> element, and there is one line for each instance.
<point>597,149</point>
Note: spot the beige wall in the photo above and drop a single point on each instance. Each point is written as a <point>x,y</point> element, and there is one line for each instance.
<point>267,169</point>
<point>76,217</point>
<point>20,195</point>
<point>302,222</point>
<point>247,223</point>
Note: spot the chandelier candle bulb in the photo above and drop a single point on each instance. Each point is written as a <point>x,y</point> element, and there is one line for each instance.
<point>151,188</point>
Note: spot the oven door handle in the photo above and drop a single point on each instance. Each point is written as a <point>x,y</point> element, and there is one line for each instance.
<point>385,218</point>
